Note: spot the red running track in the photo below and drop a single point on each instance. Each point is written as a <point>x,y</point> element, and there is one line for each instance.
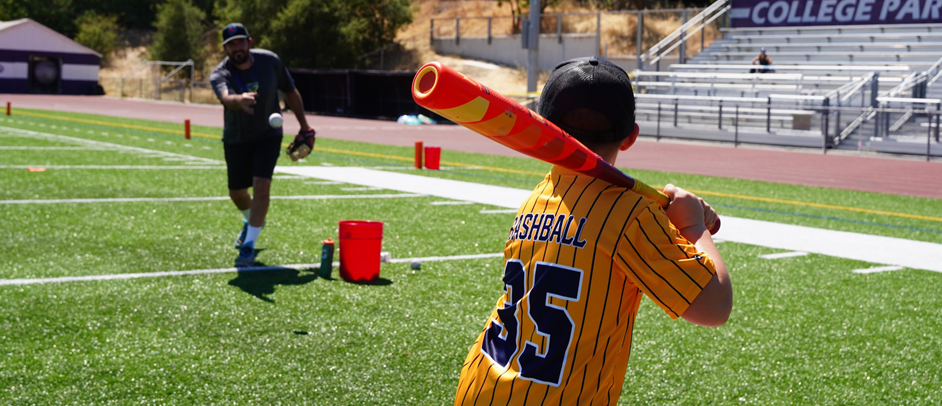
<point>903,176</point>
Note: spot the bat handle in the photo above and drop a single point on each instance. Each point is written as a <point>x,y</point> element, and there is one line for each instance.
<point>662,199</point>
<point>716,227</point>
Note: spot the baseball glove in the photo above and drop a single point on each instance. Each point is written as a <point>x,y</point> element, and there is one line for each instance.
<point>301,146</point>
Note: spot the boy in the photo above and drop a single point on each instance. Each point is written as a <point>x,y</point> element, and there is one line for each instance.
<point>579,257</point>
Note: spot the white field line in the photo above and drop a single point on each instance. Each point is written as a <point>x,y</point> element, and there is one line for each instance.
<point>497,211</point>
<point>359,189</point>
<point>26,148</point>
<point>83,141</point>
<point>862,247</point>
<point>322,182</point>
<point>449,258</point>
<point>415,128</point>
<point>203,199</point>
<point>111,277</point>
<point>879,269</point>
<point>142,167</point>
<point>150,274</point>
<point>413,168</point>
<point>841,244</point>
<point>376,196</point>
<point>450,203</point>
<point>869,248</point>
<point>783,255</point>
<point>390,168</point>
<point>498,196</point>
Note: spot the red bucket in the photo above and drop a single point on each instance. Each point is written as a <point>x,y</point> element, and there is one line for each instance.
<point>360,246</point>
<point>432,155</point>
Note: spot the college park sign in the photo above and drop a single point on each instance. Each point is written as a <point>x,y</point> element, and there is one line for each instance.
<point>788,13</point>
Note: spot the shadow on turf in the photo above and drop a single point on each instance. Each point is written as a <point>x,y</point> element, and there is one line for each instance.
<point>379,281</point>
<point>262,283</point>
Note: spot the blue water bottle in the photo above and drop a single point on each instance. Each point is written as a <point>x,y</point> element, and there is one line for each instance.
<point>327,259</point>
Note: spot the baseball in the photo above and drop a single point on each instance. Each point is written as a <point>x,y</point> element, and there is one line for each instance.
<point>275,120</point>
<point>416,265</point>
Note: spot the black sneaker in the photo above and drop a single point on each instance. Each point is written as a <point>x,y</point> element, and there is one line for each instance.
<point>246,255</point>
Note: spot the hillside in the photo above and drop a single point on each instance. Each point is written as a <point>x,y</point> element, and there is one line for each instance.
<point>412,48</point>
<point>618,36</point>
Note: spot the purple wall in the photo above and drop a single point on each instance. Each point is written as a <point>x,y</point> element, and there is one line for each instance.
<point>14,85</point>
<point>793,13</point>
<point>78,87</point>
<point>7,55</point>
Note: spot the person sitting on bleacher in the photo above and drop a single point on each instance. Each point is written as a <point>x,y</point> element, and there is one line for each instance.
<point>764,60</point>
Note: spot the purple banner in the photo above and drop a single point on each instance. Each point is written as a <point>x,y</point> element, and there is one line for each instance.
<point>793,13</point>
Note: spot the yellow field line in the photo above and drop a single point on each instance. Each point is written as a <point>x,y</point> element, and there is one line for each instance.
<point>119,125</point>
<point>409,159</point>
<point>212,136</point>
<point>818,205</point>
<point>491,168</point>
<point>358,153</point>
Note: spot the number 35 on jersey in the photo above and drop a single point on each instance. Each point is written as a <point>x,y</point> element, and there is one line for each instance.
<point>532,332</point>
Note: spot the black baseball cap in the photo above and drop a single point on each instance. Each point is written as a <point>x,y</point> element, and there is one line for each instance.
<point>234,31</point>
<point>593,84</point>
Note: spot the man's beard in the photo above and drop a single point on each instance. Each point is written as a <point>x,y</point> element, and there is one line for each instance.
<point>239,57</point>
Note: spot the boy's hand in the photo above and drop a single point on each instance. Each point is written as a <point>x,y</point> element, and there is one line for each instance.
<point>687,210</point>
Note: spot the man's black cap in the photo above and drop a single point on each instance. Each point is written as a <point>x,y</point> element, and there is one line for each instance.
<point>234,31</point>
<point>592,84</point>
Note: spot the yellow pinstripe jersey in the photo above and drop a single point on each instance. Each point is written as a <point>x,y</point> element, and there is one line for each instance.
<point>579,256</point>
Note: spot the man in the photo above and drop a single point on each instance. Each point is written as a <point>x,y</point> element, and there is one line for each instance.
<point>247,82</point>
<point>763,60</point>
<point>581,255</point>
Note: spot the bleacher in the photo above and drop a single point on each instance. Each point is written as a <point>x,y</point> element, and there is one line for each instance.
<point>865,86</point>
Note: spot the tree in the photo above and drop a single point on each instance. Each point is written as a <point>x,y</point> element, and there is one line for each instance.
<point>318,33</point>
<point>56,14</point>
<point>97,32</point>
<point>374,23</point>
<point>517,9</point>
<point>308,33</point>
<point>179,27</point>
<point>256,15</point>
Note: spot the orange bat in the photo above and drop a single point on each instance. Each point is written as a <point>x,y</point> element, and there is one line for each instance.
<point>464,101</point>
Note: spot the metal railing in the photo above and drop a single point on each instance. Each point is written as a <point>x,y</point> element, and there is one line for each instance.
<point>456,28</point>
<point>859,87</point>
<point>790,120</point>
<point>715,82</point>
<point>916,82</point>
<point>852,88</point>
<point>848,90</point>
<point>159,80</point>
<point>912,107</point>
<point>934,72</point>
<point>678,38</point>
<point>834,68</point>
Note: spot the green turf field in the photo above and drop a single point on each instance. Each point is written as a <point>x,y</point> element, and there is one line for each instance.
<point>804,330</point>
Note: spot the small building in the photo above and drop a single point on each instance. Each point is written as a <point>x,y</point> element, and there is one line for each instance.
<point>36,59</point>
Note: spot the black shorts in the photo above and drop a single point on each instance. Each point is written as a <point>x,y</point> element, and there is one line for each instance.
<point>246,160</point>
